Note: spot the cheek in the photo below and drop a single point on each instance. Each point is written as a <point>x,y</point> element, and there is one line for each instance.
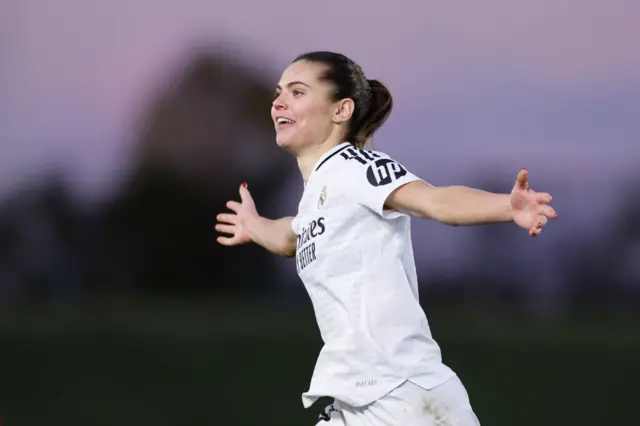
<point>317,116</point>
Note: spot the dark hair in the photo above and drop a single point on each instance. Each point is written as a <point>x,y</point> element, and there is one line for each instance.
<point>372,99</point>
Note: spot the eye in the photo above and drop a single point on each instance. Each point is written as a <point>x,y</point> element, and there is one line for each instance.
<point>297,93</point>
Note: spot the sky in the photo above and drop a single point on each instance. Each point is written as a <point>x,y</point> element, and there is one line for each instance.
<point>551,85</point>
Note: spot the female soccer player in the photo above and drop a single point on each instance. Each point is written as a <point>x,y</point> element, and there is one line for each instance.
<point>352,241</point>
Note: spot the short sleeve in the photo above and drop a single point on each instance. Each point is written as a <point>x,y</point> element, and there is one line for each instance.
<point>372,182</point>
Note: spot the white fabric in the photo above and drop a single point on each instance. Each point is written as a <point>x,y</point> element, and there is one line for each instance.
<point>356,262</point>
<point>410,405</point>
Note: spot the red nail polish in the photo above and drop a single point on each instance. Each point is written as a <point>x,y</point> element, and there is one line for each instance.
<point>244,184</point>
<point>539,225</point>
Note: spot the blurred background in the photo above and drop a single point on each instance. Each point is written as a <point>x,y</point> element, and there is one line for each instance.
<point>126,125</point>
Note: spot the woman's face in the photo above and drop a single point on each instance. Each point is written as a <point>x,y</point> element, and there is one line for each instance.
<point>303,111</point>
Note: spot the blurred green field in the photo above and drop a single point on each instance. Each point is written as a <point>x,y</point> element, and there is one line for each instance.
<point>242,364</point>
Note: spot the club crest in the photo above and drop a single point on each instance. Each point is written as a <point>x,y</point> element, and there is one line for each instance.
<point>323,196</point>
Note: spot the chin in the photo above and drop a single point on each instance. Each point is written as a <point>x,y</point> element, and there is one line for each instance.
<point>286,144</point>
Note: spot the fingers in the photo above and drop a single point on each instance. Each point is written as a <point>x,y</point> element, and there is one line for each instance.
<point>522,179</point>
<point>244,192</point>
<point>227,218</point>
<point>226,241</point>
<point>228,221</point>
<point>544,210</point>
<point>547,211</point>
<point>233,205</point>
<point>226,229</point>
<point>536,230</point>
<point>543,197</point>
<point>540,223</point>
<point>245,196</point>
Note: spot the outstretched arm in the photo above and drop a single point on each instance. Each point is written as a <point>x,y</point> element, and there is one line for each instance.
<point>245,225</point>
<point>459,205</point>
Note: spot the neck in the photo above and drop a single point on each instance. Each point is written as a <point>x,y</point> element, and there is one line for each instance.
<point>308,159</point>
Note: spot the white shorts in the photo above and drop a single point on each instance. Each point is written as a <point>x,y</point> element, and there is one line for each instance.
<point>409,405</point>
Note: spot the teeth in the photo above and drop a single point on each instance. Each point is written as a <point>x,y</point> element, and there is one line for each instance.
<point>282,120</point>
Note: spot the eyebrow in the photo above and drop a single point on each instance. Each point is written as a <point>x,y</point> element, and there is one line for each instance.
<point>293,83</point>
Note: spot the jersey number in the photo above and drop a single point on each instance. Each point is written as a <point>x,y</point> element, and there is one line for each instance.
<point>361,156</point>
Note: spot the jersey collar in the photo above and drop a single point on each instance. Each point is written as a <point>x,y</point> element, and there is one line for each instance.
<point>330,154</point>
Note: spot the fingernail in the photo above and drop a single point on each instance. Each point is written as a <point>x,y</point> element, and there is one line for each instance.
<point>539,225</point>
<point>244,184</point>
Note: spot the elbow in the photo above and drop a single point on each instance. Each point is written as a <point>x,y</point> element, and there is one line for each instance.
<point>287,251</point>
<point>288,254</point>
<point>288,246</point>
<point>450,220</point>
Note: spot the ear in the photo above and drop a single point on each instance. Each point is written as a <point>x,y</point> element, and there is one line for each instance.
<point>343,110</point>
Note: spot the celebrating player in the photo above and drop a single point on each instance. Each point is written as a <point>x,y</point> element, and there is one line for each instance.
<point>352,241</point>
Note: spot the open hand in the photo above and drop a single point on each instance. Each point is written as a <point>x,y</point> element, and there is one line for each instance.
<point>235,224</point>
<point>531,210</point>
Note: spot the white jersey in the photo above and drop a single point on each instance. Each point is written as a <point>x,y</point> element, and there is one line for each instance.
<point>356,261</point>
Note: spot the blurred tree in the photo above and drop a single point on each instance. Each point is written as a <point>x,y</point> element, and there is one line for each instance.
<point>500,265</point>
<point>495,275</point>
<point>489,273</point>
<point>603,268</point>
<point>204,135</point>
<point>628,269</point>
<point>43,240</point>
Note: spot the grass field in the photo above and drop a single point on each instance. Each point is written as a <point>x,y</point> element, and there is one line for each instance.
<point>248,364</point>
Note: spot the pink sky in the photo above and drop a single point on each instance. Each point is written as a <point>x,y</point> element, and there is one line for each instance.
<point>463,64</point>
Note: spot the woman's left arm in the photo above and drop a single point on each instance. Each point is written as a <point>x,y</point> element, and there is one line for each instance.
<point>459,205</point>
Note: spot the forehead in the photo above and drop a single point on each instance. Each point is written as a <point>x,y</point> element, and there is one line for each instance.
<point>303,71</point>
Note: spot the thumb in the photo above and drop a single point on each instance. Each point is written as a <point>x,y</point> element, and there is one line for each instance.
<point>245,195</point>
<point>522,179</point>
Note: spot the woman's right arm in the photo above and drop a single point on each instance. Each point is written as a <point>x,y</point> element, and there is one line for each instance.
<point>245,225</point>
<point>277,236</point>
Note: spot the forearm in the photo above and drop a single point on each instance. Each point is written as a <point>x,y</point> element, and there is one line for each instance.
<point>460,205</point>
<point>276,235</point>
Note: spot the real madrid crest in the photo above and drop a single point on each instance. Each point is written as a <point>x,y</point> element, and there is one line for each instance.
<point>323,196</point>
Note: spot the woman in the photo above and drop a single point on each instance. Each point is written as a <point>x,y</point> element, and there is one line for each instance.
<point>352,242</point>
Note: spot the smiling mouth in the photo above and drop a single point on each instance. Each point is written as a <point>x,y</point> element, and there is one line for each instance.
<point>284,122</point>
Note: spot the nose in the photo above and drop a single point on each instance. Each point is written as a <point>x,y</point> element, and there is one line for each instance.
<point>278,103</point>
